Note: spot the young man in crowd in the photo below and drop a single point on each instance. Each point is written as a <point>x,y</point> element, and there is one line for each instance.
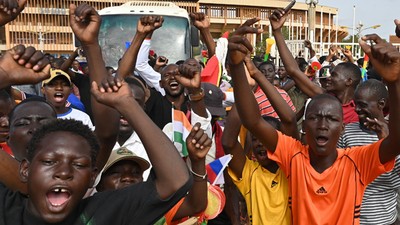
<point>326,184</point>
<point>56,90</point>
<point>342,82</point>
<point>379,201</point>
<point>254,178</point>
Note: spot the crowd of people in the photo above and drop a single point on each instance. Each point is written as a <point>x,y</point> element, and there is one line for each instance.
<point>90,144</point>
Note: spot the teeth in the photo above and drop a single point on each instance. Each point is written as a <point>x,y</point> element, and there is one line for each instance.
<point>62,190</point>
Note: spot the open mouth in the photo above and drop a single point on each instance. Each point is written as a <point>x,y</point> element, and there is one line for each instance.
<point>174,85</point>
<point>123,121</point>
<point>58,198</point>
<point>321,140</point>
<point>58,97</point>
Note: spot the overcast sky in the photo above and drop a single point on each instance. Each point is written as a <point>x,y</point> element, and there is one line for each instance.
<point>369,12</point>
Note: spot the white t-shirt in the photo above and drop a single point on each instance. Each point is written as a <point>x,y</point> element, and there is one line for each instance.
<point>77,115</point>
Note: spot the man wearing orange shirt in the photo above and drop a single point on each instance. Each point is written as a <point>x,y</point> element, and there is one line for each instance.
<point>326,184</point>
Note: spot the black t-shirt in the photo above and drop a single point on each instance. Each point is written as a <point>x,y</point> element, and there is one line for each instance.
<point>83,83</point>
<point>137,204</point>
<point>159,108</point>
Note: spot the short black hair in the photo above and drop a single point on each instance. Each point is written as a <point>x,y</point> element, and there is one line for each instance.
<point>57,63</point>
<point>179,62</point>
<point>267,63</point>
<point>135,81</point>
<point>375,87</point>
<point>67,125</point>
<point>324,96</point>
<point>351,71</point>
<point>28,100</point>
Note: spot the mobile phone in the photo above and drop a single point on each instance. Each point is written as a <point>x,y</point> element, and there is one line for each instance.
<point>289,7</point>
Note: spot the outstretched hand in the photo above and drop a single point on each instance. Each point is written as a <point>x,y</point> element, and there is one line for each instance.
<point>278,18</point>
<point>239,46</point>
<point>200,20</point>
<point>10,9</point>
<point>198,143</point>
<point>384,56</point>
<point>148,24</point>
<point>381,128</point>
<point>85,23</point>
<point>397,30</point>
<point>189,77</point>
<point>21,65</point>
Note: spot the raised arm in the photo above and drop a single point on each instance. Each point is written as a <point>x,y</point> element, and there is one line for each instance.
<point>10,9</point>
<point>21,65</point>
<point>202,22</point>
<point>277,19</point>
<point>67,63</point>
<point>189,77</point>
<point>149,74</point>
<point>18,64</point>
<point>198,144</point>
<point>85,23</point>
<point>170,170</point>
<point>231,144</point>
<point>386,60</point>
<point>285,113</point>
<point>308,45</point>
<point>145,26</point>
<point>348,54</point>
<point>247,106</point>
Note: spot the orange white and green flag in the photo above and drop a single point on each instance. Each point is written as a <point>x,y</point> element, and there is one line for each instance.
<point>181,131</point>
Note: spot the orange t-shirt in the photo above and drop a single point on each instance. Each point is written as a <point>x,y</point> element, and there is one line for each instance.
<point>331,197</point>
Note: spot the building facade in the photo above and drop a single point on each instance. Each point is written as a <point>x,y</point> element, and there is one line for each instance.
<point>44,24</point>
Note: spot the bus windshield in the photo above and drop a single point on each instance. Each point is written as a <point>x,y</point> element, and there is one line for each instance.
<point>117,31</point>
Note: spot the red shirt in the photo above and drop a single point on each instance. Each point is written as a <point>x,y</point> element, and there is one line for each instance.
<point>349,112</point>
<point>265,106</point>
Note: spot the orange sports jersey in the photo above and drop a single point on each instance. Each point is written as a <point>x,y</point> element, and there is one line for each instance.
<point>335,195</point>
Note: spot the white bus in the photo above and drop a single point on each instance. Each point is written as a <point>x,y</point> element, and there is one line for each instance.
<point>175,39</point>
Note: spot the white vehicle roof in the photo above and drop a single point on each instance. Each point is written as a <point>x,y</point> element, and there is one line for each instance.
<point>146,8</point>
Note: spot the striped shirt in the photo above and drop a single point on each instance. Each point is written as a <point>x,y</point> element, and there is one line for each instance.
<point>379,201</point>
<point>265,106</point>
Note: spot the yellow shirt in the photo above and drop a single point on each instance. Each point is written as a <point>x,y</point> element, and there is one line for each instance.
<point>265,193</point>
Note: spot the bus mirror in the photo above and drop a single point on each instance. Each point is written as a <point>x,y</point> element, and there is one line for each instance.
<point>194,38</point>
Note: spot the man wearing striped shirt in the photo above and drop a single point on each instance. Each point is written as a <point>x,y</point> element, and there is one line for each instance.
<point>379,201</point>
<point>266,109</point>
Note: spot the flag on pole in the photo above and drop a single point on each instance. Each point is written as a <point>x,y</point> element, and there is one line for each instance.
<point>181,130</point>
<point>216,168</point>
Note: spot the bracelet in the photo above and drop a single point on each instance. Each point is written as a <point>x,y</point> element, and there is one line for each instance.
<point>198,96</point>
<point>198,175</point>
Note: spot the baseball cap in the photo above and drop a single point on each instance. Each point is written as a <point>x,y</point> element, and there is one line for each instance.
<point>213,97</point>
<point>56,73</point>
<point>123,153</point>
